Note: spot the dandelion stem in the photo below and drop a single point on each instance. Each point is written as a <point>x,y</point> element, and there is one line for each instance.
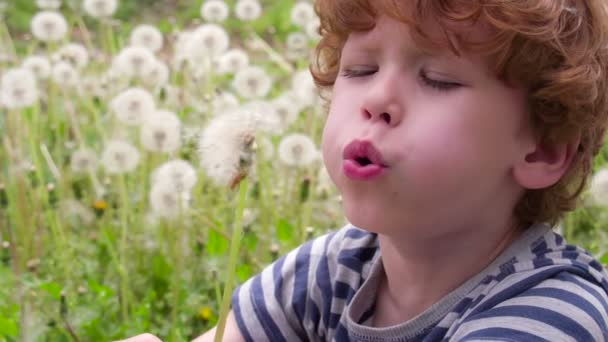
<point>125,208</point>
<point>234,253</point>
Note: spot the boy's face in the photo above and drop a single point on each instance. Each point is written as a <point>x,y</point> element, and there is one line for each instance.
<point>447,130</point>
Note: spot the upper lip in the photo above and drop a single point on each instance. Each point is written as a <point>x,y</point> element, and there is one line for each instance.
<point>361,149</point>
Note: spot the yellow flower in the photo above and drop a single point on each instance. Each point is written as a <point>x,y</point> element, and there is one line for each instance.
<point>100,205</point>
<point>205,313</point>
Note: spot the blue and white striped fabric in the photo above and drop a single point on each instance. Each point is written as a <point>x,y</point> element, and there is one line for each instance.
<point>538,289</point>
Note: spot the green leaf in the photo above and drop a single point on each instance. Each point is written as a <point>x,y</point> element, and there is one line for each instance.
<point>216,244</point>
<point>8,327</point>
<point>284,230</point>
<point>53,289</point>
<point>244,272</point>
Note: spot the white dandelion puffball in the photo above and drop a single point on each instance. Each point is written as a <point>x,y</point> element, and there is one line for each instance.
<point>233,61</point>
<point>305,89</point>
<point>214,11</point>
<point>132,60</point>
<point>180,175</point>
<point>73,53</point>
<point>155,74</point>
<point>286,111</point>
<point>133,106</point>
<point>297,150</point>
<point>100,8</point>
<point>302,13</point>
<point>297,41</point>
<point>208,41</point>
<point>252,82</point>
<point>147,36</point>
<point>167,202</point>
<point>48,4</point>
<point>227,145</point>
<point>161,132</point>
<point>49,26</point>
<point>312,29</point>
<point>40,66</point>
<point>18,88</point>
<point>223,103</point>
<point>119,156</point>
<point>83,160</point>
<point>599,187</point>
<point>65,75</point>
<point>248,10</point>
<point>269,120</point>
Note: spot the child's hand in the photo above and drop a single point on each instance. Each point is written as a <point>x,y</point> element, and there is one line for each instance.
<point>142,338</point>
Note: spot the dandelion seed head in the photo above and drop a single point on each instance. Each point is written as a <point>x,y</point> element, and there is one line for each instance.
<point>18,88</point>
<point>286,111</point>
<point>599,187</point>
<point>269,120</point>
<point>297,150</point>
<point>155,74</point>
<point>223,103</point>
<point>312,29</point>
<point>73,53</point>
<point>147,36</point>
<point>132,60</point>
<point>233,61</point>
<point>133,106</point>
<point>167,202</point>
<point>248,10</point>
<point>119,156</point>
<point>214,11</point>
<point>302,13</point>
<point>205,43</point>
<point>83,160</point>
<point>303,86</point>
<point>49,26</point>
<point>161,132</point>
<point>252,82</point>
<point>65,75</point>
<point>100,8</point>
<point>180,175</point>
<point>40,66</point>
<point>48,4</point>
<point>297,41</point>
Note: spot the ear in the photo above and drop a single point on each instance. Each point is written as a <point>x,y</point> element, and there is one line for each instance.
<point>545,165</point>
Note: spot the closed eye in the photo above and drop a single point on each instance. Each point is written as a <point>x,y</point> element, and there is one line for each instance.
<point>349,73</point>
<point>437,84</point>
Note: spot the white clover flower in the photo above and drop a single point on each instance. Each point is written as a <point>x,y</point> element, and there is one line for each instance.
<point>252,82</point>
<point>227,146</point>
<point>599,187</point>
<point>18,88</point>
<point>302,13</point>
<point>305,89</point>
<point>214,11</point>
<point>119,156</point>
<point>147,36</point>
<point>40,66</point>
<point>73,53</point>
<point>155,74</point>
<point>178,173</point>
<point>161,132</point>
<point>248,10</point>
<point>233,61</point>
<point>286,110</point>
<point>100,8</point>
<point>208,41</point>
<point>167,202</point>
<point>65,75</point>
<point>48,4</point>
<point>133,106</point>
<point>297,150</point>
<point>312,29</point>
<point>223,103</point>
<point>83,160</point>
<point>132,60</point>
<point>49,26</point>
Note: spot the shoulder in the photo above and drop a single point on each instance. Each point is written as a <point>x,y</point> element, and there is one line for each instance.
<point>563,307</point>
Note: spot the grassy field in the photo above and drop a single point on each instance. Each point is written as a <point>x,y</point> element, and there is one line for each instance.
<point>142,180</point>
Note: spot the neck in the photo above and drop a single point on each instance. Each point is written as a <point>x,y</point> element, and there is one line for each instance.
<point>419,272</point>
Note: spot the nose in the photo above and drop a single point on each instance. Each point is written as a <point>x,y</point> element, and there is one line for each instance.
<point>384,101</point>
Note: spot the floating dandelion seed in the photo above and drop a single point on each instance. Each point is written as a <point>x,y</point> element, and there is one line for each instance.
<point>233,61</point>
<point>100,8</point>
<point>73,53</point>
<point>297,150</point>
<point>119,157</point>
<point>167,202</point>
<point>83,160</point>
<point>147,36</point>
<point>599,187</point>
<point>227,146</point>
<point>161,132</point>
<point>65,75</point>
<point>214,11</point>
<point>133,106</point>
<point>252,82</point>
<point>180,175</point>
<point>248,10</point>
<point>18,88</point>
<point>49,26</point>
<point>48,4</point>
<point>132,60</point>
<point>40,66</point>
<point>302,13</point>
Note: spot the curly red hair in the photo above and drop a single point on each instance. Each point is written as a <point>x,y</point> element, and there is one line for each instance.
<point>557,49</point>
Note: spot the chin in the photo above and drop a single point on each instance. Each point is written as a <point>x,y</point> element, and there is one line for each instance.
<point>366,216</point>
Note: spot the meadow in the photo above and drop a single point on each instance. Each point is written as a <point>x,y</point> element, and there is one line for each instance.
<point>156,154</point>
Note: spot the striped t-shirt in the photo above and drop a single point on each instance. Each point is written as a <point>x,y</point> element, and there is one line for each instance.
<point>538,289</point>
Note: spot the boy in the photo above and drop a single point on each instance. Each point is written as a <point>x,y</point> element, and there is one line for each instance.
<point>459,132</point>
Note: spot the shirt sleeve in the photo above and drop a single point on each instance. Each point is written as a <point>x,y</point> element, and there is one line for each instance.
<point>565,307</point>
<point>279,303</point>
